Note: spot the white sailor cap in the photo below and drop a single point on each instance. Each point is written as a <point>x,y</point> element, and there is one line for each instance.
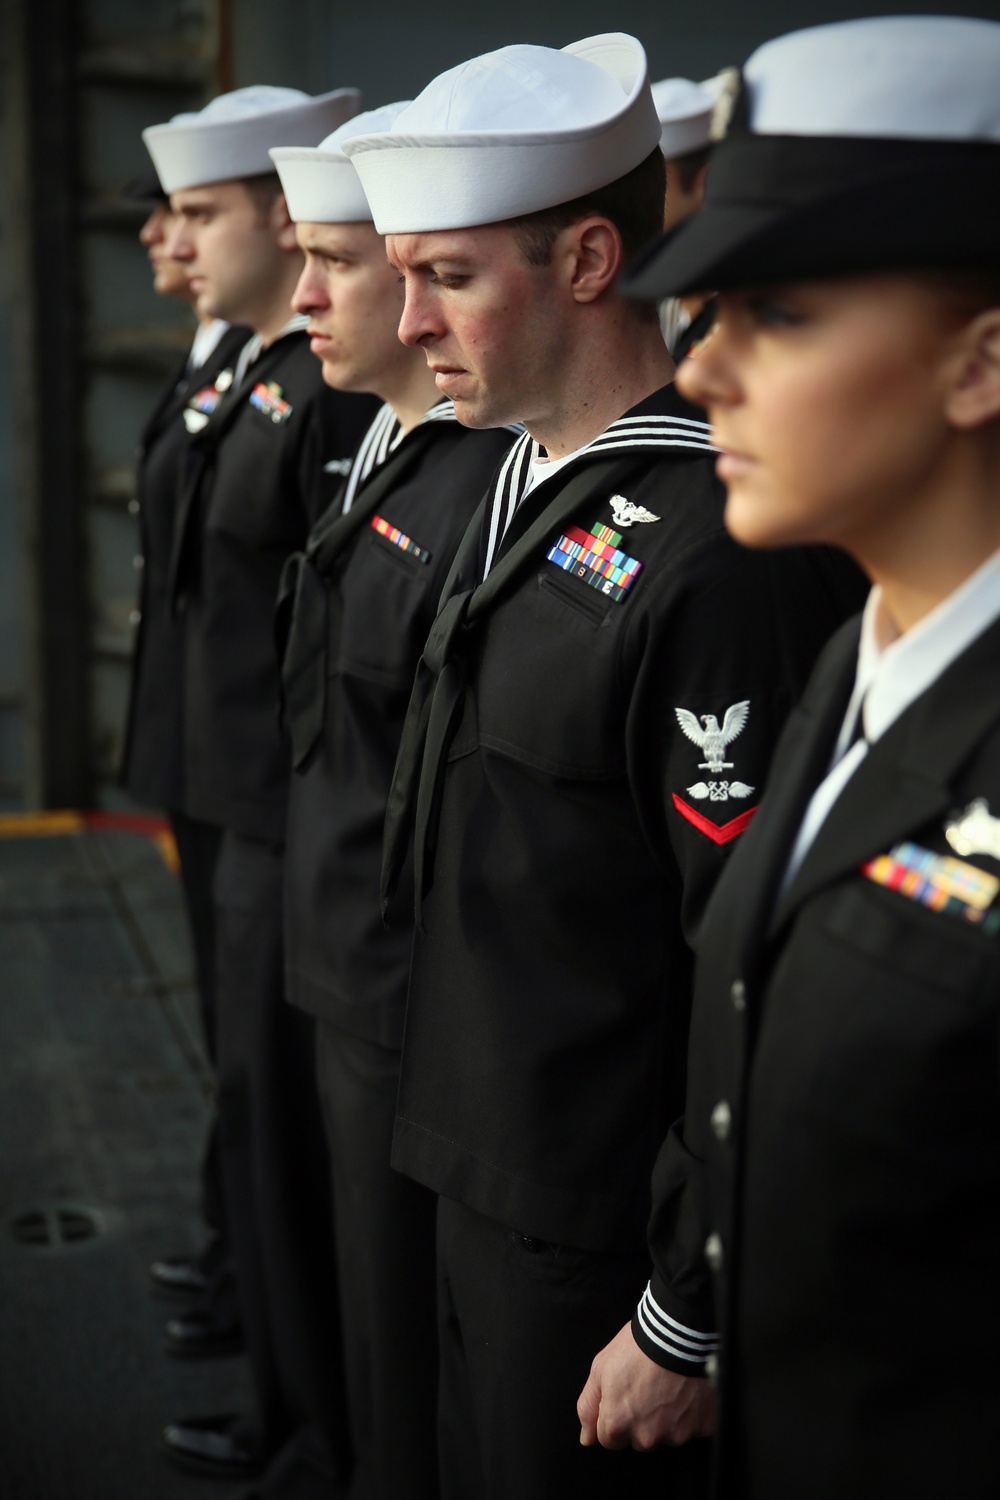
<point>319,183</point>
<point>685,110</point>
<point>517,130</point>
<point>231,136</point>
<point>858,146</point>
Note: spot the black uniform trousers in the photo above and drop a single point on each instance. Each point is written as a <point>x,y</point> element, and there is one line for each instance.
<point>276,1179</point>
<point>198,853</point>
<point>384,1238</point>
<point>520,1321</point>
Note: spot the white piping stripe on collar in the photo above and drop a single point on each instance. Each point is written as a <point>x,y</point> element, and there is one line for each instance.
<point>656,420</point>
<point>382,438</point>
<point>628,432</point>
<point>507,494</point>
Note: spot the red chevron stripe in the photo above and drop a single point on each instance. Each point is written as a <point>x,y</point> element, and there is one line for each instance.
<point>719,833</point>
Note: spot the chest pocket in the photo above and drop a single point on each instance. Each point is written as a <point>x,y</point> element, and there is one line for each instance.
<point>574,595</point>
<point>547,683</point>
<point>393,544</point>
<point>255,496</point>
<point>920,947</point>
<point>387,601</point>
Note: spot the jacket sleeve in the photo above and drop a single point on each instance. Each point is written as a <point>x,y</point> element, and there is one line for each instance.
<point>674,1322</point>
<point>723,667</point>
<point>723,662</point>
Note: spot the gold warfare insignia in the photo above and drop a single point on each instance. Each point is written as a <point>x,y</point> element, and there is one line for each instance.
<point>730,85</point>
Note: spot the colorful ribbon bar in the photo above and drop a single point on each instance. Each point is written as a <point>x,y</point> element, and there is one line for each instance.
<point>268,399</point>
<point>206,400</point>
<point>399,539</point>
<point>939,882</point>
<point>596,558</point>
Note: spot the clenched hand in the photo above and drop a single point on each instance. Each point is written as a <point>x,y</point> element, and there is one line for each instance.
<point>631,1402</point>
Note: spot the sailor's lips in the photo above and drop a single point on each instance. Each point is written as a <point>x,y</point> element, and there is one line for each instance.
<point>731,464</point>
<point>448,376</point>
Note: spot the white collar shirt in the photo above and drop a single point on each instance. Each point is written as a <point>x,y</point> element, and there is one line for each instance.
<point>206,341</point>
<point>894,669</point>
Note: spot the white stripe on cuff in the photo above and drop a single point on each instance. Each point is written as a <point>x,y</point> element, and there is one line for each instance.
<point>672,1337</point>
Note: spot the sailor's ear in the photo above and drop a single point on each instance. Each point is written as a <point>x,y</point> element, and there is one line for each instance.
<point>282,225</point>
<point>590,252</point>
<point>973,397</point>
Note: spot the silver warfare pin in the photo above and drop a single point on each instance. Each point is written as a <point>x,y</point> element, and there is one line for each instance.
<point>975,831</point>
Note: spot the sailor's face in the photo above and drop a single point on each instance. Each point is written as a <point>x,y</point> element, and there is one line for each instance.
<point>353,300</point>
<point>828,401</point>
<point>488,322</point>
<point>227,247</point>
<point>169,275</point>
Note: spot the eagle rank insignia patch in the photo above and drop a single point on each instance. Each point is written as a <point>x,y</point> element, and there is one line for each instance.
<point>713,740</point>
<point>627,513</point>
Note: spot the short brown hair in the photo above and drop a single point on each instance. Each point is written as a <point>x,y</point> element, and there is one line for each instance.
<point>262,191</point>
<point>690,164</point>
<point>633,203</point>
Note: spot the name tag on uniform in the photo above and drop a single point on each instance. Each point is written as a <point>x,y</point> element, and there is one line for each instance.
<point>597,559</point>
<point>399,539</point>
<point>938,882</point>
<point>269,400</point>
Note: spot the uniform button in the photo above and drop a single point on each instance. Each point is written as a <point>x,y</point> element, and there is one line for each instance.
<point>138,561</point>
<point>713,1252</point>
<point>712,1368</point>
<point>133,507</point>
<point>738,995</point>
<point>722,1119</point>
<point>135,615</point>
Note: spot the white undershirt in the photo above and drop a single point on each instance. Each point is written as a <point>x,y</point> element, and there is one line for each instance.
<point>541,469</point>
<point>894,669</point>
<point>206,341</point>
<point>674,320</point>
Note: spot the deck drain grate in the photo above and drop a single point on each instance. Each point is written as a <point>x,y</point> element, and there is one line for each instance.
<point>58,1226</point>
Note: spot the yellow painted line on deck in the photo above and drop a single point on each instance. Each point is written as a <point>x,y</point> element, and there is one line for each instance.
<point>69,821</point>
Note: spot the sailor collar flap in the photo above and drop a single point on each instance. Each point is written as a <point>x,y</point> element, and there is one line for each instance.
<point>414,798</point>
<point>437,690</point>
<point>201,453</point>
<point>652,426</point>
<point>173,399</point>
<point>237,396</point>
<point>301,629</point>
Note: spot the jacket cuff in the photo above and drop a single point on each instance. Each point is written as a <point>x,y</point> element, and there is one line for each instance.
<point>669,1342</point>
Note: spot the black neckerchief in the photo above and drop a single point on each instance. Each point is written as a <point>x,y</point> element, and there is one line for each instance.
<point>199,458</point>
<point>302,618</point>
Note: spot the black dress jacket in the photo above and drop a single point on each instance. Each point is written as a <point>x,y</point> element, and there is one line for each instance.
<point>840,1156</point>
<point>379,597</point>
<point>569,830</point>
<point>251,490</point>
<point>153,754</point>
